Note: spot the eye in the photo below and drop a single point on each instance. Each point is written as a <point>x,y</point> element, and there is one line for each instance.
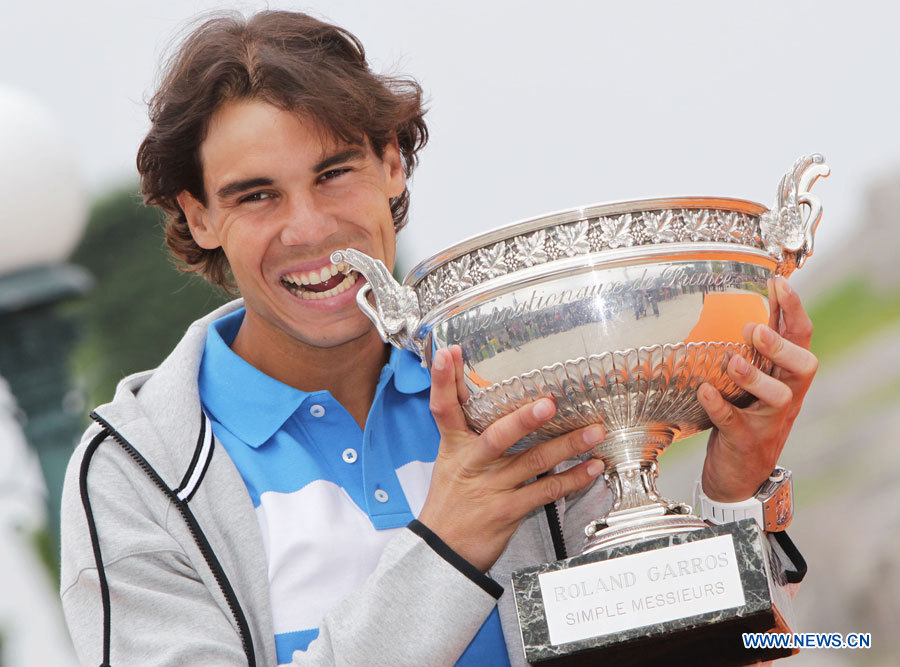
<point>331,174</point>
<point>256,196</point>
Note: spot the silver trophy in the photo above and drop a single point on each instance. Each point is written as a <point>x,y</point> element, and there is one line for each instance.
<point>619,312</point>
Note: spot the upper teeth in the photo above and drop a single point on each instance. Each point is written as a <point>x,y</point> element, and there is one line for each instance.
<point>313,277</point>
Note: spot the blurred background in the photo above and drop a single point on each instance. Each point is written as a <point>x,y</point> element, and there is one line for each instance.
<point>532,109</point>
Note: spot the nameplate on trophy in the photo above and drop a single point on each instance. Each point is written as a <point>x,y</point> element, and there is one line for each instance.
<point>641,589</point>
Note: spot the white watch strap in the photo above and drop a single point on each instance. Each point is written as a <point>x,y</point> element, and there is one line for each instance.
<point>718,513</point>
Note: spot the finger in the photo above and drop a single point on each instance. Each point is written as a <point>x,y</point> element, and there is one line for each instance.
<point>553,487</point>
<point>721,413</point>
<point>786,355</point>
<point>543,457</point>
<point>462,391</point>
<point>769,390</point>
<point>747,332</point>
<point>508,430</point>
<point>796,325</point>
<point>774,307</point>
<point>444,403</point>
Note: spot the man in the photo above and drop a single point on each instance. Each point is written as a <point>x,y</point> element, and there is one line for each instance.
<point>285,487</point>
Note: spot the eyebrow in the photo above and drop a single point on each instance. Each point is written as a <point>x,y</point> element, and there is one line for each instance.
<point>337,158</point>
<point>236,187</point>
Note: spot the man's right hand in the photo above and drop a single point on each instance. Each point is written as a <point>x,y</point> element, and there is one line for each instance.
<point>479,494</point>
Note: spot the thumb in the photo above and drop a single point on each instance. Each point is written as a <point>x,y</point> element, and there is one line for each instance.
<point>721,413</point>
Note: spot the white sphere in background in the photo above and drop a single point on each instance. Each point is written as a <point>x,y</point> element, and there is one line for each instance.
<point>43,206</point>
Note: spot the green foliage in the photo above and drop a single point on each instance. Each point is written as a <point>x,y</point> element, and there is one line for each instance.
<point>140,306</point>
<point>45,546</point>
<point>849,314</point>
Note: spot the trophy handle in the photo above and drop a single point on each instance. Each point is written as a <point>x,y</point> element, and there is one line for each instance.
<point>396,312</point>
<point>789,228</point>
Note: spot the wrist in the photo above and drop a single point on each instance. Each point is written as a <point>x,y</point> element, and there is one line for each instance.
<point>771,506</point>
<point>450,555</point>
<point>732,485</point>
<point>460,540</point>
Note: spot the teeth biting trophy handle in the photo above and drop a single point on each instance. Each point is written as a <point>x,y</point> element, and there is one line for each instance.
<point>396,312</point>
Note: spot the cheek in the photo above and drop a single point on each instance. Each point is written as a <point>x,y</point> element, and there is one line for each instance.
<point>246,230</point>
<point>388,238</point>
<point>245,249</point>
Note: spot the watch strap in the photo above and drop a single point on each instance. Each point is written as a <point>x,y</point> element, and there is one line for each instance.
<point>718,513</point>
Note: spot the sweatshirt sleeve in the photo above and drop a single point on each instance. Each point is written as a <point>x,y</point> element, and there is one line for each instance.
<point>417,608</point>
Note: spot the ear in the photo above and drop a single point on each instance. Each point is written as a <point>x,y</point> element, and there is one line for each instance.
<point>393,168</point>
<point>197,218</point>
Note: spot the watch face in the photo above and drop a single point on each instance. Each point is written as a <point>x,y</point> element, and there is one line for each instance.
<point>782,510</point>
<point>777,497</point>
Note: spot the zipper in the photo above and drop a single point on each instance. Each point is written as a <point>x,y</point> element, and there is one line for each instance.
<point>555,525</point>
<point>196,533</point>
<point>556,533</point>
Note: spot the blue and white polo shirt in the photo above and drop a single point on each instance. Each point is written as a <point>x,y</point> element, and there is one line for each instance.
<point>328,496</point>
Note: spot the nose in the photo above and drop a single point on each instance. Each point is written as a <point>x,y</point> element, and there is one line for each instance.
<point>306,222</point>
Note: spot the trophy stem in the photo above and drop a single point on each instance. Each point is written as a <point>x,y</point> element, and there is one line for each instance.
<point>639,511</point>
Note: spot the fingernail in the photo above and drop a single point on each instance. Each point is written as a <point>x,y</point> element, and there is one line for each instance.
<point>439,363</point>
<point>785,285</point>
<point>595,467</point>
<point>740,365</point>
<point>543,408</point>
<point>593,435</point>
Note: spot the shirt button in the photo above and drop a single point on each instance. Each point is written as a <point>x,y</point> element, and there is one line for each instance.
<point>381,496</point>
<point>317,410</point>
<point>349,455</point>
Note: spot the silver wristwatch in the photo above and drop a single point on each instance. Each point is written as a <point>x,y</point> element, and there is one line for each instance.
<point>772,506</point>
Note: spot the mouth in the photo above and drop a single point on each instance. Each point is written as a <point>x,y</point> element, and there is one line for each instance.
<point>329,281</point>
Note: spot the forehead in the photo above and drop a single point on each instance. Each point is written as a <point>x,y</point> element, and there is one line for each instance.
<point>252,131</point>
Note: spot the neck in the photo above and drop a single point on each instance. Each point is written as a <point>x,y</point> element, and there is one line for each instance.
<point>349,371</point>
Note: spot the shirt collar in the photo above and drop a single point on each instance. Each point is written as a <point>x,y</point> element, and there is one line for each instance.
<point>252,405</point>
<point>246,401</point>
<point>410,377</point>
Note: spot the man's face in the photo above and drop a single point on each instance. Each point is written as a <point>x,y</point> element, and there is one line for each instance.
<point>281,197</point>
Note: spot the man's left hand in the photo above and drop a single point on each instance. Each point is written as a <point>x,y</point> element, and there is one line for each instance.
<point>745,443</point>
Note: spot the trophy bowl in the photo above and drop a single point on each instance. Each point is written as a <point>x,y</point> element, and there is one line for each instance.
<point>619,312</point>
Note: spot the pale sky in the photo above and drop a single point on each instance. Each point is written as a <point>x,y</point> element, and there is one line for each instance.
<point>533,108</point>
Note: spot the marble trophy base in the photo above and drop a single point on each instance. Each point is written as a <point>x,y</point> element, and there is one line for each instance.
<point>679,599</point>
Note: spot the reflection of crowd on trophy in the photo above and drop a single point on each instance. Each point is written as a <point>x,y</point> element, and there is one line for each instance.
<point>518,330</point>
<point>644,300</point>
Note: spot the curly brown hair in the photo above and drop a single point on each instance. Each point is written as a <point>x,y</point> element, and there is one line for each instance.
<point>290,60</point>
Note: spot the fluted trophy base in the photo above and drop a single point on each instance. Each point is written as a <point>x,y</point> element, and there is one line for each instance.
<point>638,512</point>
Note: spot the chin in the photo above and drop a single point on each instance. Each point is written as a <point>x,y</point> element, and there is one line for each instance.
<point>340,335</point>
